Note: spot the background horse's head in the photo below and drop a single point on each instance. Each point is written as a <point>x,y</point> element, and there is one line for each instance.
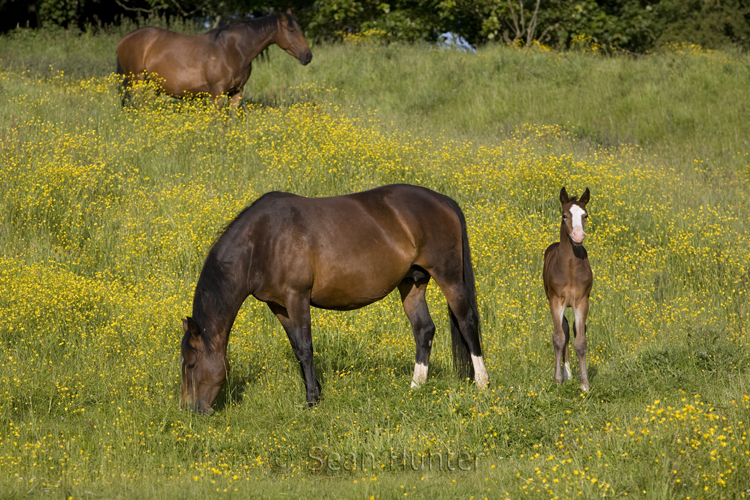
<point>574,215</point>
<point>289,37</point>
<point>204,370</point>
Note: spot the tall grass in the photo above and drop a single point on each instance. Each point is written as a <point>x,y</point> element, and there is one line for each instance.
<point>107,215</point>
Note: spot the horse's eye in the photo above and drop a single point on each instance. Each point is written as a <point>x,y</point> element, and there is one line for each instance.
<point>190,366</point>
<point>565,216</point>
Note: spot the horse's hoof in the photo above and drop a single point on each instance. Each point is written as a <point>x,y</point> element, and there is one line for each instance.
<point>585,386</point>
<point>312,403</point>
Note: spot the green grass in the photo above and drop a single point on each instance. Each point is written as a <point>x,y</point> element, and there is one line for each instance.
<point>107,216</point>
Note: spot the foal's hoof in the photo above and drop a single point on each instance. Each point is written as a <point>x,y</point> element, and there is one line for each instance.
<point>585,386</point>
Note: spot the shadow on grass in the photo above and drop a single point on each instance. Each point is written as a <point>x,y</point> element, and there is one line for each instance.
<point>237,385</point>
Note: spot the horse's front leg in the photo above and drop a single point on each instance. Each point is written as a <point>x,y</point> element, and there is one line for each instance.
<point>560,335</point>
<point>415,306</point>
<point>581,310</point>
<point>295,318</point>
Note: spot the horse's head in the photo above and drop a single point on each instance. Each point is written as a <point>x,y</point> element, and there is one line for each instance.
<point>204,370</point>
<point>574,215</point>
<point>290,38</point>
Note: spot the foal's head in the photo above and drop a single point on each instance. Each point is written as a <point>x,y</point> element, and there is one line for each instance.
<point>289,38</point>
<point>574,215</point>
<point>204,370</point>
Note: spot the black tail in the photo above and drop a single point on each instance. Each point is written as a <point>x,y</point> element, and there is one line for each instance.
<point>119,69</point>
<point>461,354</point>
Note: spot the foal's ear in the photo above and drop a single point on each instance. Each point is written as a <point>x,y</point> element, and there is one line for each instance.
<point>289,11</point>
<point>564,198</point>
<point>189,325</point>
<point>585,197</point>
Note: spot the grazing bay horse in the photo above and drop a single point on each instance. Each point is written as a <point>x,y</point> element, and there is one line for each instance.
<point>341,253</point>
<point>217,62</point>
<point>567,283</point>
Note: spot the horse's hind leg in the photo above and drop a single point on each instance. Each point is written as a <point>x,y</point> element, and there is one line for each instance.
<point>467,346</point>
<point>560,335</point>
<point>581,311</point>
<point>295,318</point>
<point>412,290</point>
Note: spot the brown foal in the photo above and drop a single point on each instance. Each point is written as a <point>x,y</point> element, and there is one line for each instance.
<point>567,283</point>
<point>217,62</point>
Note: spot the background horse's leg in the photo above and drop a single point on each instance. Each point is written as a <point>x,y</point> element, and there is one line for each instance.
<point>295,318</point>
<point>567,374</point>
<point>581,310</point>
<point>415,306</point>
<point>234,99</point>
<point>125,91</point>
<point>559,337</point>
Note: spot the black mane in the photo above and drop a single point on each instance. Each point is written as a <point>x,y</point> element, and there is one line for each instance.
<point>214,291</point>
<point>262,25</point>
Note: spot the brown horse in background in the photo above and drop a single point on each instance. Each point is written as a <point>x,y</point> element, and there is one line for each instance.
<point>340,253</point>
<point>217,62</point>
<point>567,283</point>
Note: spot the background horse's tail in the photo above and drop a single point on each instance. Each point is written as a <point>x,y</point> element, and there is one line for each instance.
<point>124,94</point>
<point>461,355</point>
<point>119,70</point>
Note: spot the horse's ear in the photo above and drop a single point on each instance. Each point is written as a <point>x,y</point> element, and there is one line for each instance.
<point>189,325</point>
<point>564,198</point>
<point>585,197</point>
<point>289,11</point>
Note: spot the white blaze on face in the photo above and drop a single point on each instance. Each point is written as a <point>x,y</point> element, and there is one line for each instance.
<point>577,212</point>
<point>420,375</point>
<point>481,376</point>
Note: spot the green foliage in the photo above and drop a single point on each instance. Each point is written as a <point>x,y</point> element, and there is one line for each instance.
<point>632,25</point>
<point>60,12</point>
<point>706,23</point>
<point>399,20</point>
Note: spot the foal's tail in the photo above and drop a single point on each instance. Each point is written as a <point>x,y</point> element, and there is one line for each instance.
<point>461,352</point>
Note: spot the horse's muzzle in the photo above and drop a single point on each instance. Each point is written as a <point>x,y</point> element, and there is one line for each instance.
<point>305,58</point>
<point>198,407</point>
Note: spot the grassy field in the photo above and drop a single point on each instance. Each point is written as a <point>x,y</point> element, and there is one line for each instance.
<point>107,215</point>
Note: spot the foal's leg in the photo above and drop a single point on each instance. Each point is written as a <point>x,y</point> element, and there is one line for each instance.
<point>412,297</point>
<point>567,374</point>
<point>581,310</point>
<point>559,334</point>
<point>295,318</point>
